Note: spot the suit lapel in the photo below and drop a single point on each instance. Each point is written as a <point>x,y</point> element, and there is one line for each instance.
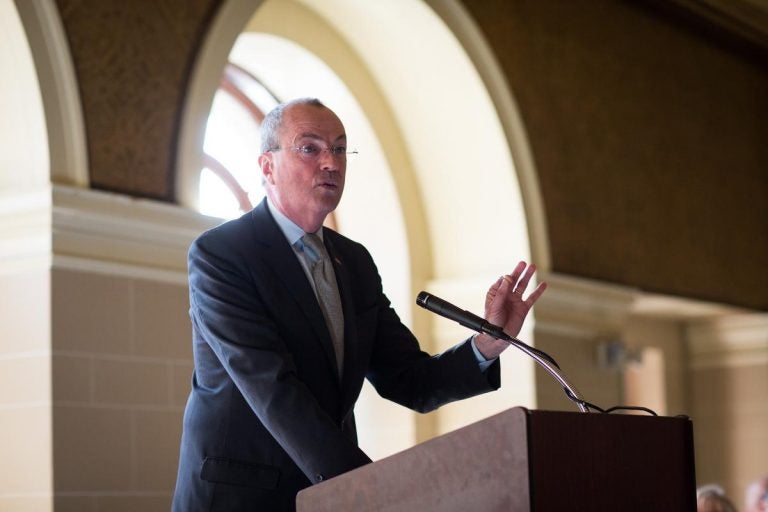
<point>281,259</point>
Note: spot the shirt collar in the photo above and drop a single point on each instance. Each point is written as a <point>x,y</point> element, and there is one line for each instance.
<point>291,231</point>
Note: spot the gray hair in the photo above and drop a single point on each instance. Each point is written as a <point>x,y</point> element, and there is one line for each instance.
<point>714,495</point>
<point>274,119</point>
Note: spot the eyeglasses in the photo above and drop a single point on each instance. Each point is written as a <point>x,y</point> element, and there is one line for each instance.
<point>312,151</point>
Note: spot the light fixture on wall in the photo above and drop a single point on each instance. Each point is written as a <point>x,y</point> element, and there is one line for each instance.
<point>616,355</point>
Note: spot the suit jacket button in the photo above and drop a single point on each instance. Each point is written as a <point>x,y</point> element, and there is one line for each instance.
<point>319,477</point>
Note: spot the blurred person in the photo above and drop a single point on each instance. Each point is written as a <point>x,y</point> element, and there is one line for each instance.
<point>712,498</point>
<point>756,497</point>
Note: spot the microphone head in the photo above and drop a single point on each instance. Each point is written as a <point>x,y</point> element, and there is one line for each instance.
<point>422,298</point>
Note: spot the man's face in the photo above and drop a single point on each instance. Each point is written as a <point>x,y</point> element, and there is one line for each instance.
<point>305,179</point>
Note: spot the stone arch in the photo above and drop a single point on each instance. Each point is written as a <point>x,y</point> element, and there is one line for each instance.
<point>44,97</point>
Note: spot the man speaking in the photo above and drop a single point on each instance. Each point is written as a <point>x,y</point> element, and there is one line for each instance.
<point>289,318</point>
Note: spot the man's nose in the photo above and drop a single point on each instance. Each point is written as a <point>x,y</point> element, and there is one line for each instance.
<point>329,161</point>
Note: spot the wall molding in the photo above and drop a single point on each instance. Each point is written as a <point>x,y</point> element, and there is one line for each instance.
<point>583,308</point>
<point>87,230</point>
<point>115,228</point>
<point>745,20</point>
<point>25,227</point>
<point>728,341</point>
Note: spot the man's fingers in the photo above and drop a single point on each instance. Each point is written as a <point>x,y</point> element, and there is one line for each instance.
<point>517,272</point>
<point>512,286</point>
<point>492,291</point>
<point>520,278</point>
<point>534,296</point>
<point>522,284</point>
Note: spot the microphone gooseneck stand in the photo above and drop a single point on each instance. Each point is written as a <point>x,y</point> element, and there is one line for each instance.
<point>571,392</point>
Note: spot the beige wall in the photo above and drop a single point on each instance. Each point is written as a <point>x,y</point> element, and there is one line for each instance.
<point>659,379</point>
<point>121,374</point>
<point>95,352</point>
<point>728,382</point>
<point>572,318</point>
<point>730,414</point>
<point>577,357</point>
<point>25,392</point>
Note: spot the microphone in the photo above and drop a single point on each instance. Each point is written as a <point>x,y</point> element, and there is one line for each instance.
<point>474,322</point>
<point>462,316</point>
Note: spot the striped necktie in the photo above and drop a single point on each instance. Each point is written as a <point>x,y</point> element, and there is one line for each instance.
<point>327,293</point>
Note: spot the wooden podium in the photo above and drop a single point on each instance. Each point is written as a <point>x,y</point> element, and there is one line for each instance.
<point>522,460</point>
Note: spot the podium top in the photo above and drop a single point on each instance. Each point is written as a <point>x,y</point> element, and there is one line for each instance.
<point>528,460</point>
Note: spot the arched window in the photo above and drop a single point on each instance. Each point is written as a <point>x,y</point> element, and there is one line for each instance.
<point>230,182</point>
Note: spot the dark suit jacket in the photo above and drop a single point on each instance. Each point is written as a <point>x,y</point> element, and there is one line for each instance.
<point>268,414</point>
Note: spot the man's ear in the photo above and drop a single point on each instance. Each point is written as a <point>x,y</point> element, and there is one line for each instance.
<point>266,165</point>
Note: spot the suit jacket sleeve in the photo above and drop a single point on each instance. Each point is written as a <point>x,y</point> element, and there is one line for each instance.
<point>400,371</point>
<point>387,351</point>
<point>229,314</point>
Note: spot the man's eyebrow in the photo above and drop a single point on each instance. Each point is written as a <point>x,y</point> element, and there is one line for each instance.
<point>311,135</point>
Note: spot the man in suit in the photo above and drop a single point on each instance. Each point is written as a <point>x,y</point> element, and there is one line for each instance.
<point>278,366</point>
